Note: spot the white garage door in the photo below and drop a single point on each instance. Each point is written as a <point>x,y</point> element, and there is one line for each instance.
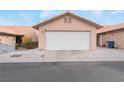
<point>67,40</point>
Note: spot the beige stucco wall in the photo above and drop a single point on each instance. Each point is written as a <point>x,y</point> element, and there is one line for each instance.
<point>59,25</point>
<point>117,36</point>
<point>6,39</point>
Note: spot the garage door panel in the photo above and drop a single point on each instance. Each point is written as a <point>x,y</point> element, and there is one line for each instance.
<point>67,40</point>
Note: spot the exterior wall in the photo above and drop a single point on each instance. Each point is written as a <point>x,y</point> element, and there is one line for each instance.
<point>121,40</point>
<point>99,40</point>
<point>117,36</point>
<point>6,39</point>
<point>59,25</point>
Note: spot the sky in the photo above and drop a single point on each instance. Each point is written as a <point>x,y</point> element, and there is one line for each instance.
<point>32,17</point>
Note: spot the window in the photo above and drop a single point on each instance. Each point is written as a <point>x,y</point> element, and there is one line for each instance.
<point>69,20</point>
<point>65,20</point>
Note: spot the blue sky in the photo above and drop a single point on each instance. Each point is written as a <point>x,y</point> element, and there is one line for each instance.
<point>31,17</point>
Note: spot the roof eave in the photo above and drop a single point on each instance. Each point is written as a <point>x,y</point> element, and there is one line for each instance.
<point>109,30</point>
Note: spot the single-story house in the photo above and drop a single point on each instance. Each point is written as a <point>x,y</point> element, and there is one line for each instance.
<point>67,31</point>
<point>111,33</point>
<point>12,35</point>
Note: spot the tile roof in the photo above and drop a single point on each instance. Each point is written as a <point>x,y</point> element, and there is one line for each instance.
<point>16,30</point>
<point>110,28</point>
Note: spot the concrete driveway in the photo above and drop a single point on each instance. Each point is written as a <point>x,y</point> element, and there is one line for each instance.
<point>100,54</point>
<point>62,72</point>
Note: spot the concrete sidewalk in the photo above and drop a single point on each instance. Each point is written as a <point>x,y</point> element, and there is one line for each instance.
<point>35,55</point>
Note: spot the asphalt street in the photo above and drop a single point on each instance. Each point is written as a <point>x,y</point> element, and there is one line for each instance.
<point>62,72</point>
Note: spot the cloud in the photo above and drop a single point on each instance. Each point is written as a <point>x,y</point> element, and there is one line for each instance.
<point>5,21</point>
<point>49,13</point>
<point>97,12</point>
<point>117,11</point>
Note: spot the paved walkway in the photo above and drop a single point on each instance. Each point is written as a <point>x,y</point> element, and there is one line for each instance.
<point>100,54</point>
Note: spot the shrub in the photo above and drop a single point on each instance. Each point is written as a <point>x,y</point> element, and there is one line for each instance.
<point>27,42</point>
<point>17,46</point>
<point>26,39</point>
<point>35,44</point>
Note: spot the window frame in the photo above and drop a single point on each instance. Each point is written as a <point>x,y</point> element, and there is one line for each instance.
<point>69,19</point>
<point>65,20</point>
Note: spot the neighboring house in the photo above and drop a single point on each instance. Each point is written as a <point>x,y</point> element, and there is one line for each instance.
<point>67,32</point>
<point>12,35</point>
<point>7,38</point>
<point>7,42</point>
<point>111,33</point>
